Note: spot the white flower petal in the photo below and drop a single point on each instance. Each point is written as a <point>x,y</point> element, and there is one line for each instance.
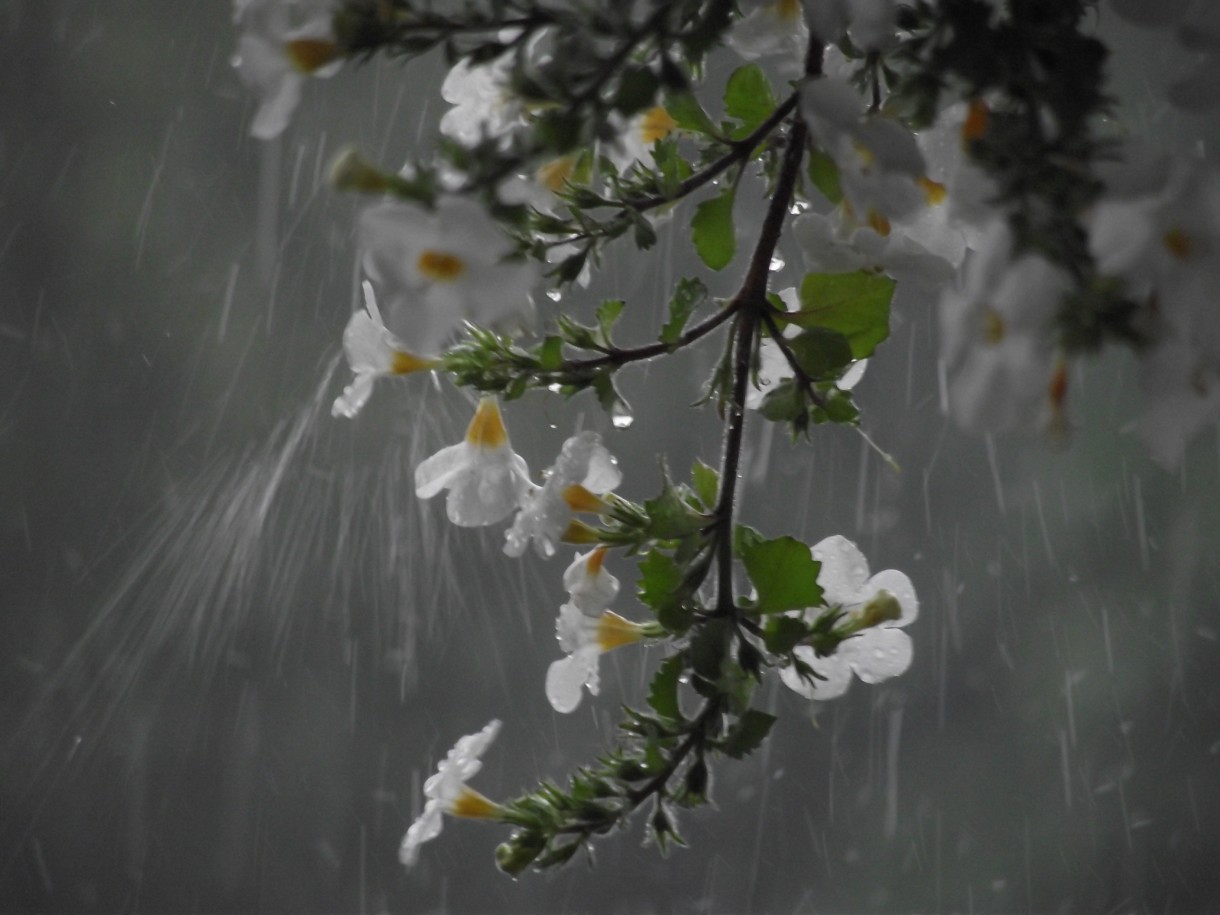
<point>834,669</point>
<point>566,677</point>
<point>354,396</point>
<point>441,469</point>
<point>844,569</point>
<point>878,654</point>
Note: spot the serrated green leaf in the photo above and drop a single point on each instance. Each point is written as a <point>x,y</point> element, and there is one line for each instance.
<point>660,578</point>
<point>748,98</point>
<point>707,483</point>
<point>824,174</point>
<point>856,304</point>
<point>748,734</point>
<point>688,114</point>
<point>689,294</point>
<point>663,693</point>
<point>712,230</point>
<point>784,574</point>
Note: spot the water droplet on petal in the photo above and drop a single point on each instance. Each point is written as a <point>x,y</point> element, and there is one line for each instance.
<point>554,388</point>
<point>554,295</point>
<point>777,263</point>
<point>621,416</point>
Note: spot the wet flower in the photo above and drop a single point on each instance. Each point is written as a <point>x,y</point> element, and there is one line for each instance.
<point>486,479</point>
<point>584,638</point>
<point>435,270</point>
<point>870,23</point>
<point>282,42</point>
<point>447,792</point>
<point>372,352</point>
<point>875,610</point>
<point>590,587</point>
<point>583,472</point>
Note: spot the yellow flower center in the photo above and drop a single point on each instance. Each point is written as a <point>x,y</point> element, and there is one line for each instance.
<point>883,607</point>
<point>487,430</point>
<point>1179,244</point>
<point>656,124</point>
<point>440,266</point>
<point>580,499</point>
<point>878,223</point>
<point>933,191</point>
<point>579,532</point>
<point>309,55</point>
<point>554,174</point>
<point>613,631</point>
<point>788,9</point>
<point>993,327</point>
<point>402,363</point>
<point>596,558</point>
<point>473,806</point>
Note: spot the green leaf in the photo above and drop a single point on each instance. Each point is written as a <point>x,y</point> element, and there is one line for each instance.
<point>856,304</point>
<point>707,483</point>
<point>712,230</point>
<point>637,89</point>
<point>607,313</point>
<point>784,574</point>
<point>689,295</point>
<point>824,174</point>
<point>669,514</point>
<point>645,235</point>
<point>748,98</point>
<point>663,694</point>
<point>550,353</point>
<point>709,646</point>
<point>660,578</point>
<point>783,403</point>
<point>822,353</point>
<point>781,633</point>
<point>609,397</point>
<point>688,114</point>
<point>746,736</point>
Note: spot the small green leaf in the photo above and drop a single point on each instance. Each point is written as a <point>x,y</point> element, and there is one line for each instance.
<point>550,353</point>
<point>663,694</point>
<point>707,483</point>
<point>748,98</point>
<point>746,736</point>
<point>856,304</point>
<point>824,174</point>
<point>689,295</point>
<point>784,574</point>
<point>688,114</point>
<point>607,313</point>
<point>669,514</point>
<point>781,633</point>
<point>645,235</point>
<point>712,229</point>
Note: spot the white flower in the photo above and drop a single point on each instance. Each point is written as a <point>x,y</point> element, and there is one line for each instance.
<point>584,638</point>
<point>772,27</point>
<point>486,479</point>
<point>876,607</point>
<point>484,106</point>
<point>998,338</point>
<point>583,471</point>
<point>774,367</point>
<point>446,792</point>
<point>870,23</point>
<point>282,42</point>
<point>372,352</point>
<point>636,138</point>
<point>435,270</point>
<point>590,587</point>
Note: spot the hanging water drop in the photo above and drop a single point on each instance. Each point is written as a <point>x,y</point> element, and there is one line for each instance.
<point>554,295</point>
<point>777,263</point>
<point>621,416</point>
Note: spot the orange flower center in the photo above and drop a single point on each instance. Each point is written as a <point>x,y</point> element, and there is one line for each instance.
<point>656,125</point>
<point>404,363</point>
<point>309,55</point>
<point>440,266</point>
<point>472,805</point>
<point>1179,244</point>
<point>613,631</point>
<point>487,430</point>
<point>993,327</point>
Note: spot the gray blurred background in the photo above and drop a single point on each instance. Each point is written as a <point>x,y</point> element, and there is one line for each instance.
<point>233,644</point>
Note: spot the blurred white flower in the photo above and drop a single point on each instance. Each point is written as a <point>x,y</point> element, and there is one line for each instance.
<point>583,472</point>
<point>869,23</point>
<point>998,338</point>
<point>772,27</point>
<point>282,42</point>
<point>486,479</point>
<point>435,270</point>
<point>584,638</point>
<point>876,607</point>
<point>484,105</point>
<point>636,137</point>
<point>372,352</point>
<point>591,588</point>
<point>447,792</point>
